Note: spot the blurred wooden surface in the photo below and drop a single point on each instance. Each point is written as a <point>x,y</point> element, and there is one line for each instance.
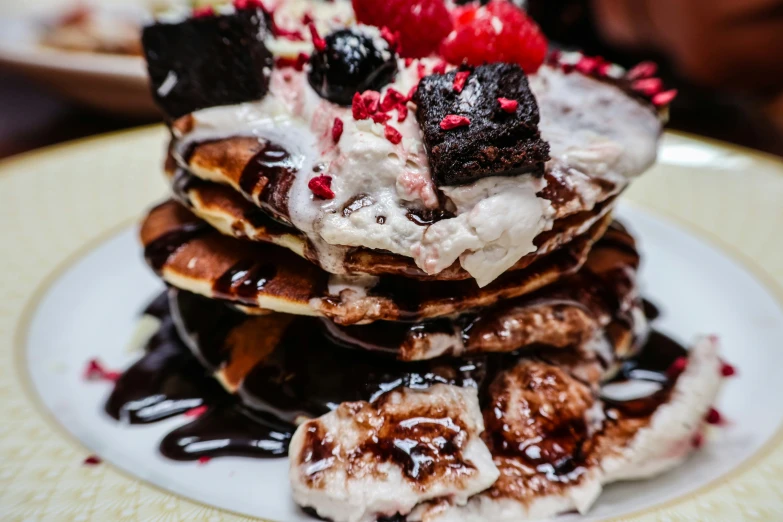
<point>31,117</point>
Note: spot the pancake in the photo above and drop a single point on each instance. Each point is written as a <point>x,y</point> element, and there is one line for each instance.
<point>261,277</point>
<point>598,307</point>
<point>231,213</point>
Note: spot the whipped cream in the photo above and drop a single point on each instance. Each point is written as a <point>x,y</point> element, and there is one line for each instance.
<point>594,130</point>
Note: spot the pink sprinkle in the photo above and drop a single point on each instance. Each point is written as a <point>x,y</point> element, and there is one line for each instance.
<point>698,440</point>
<point>318,42</point>
<point>248,4</point>
<point>358,108</point>
<point>452,121</point>
<point>677,367</point>
<point>381,117</point>
<point>664,98</point>
<point>204,459</point>
<point>393,38</point>
<point>337,130</point>
<point>372,100</point>
<point>321,186</point>
<point>92,460</point>
<point>727,370</point>
<point>204,12</point>
<point>509,106</point>
<point>196,412</point>
<point>440,68</point>
<point>648,86</point>
<point>642,70</point>
<point>714,417</point>
<point>96,372</point>
<point>460,79</point>
<point>391,99</point>
<point>392,134</point>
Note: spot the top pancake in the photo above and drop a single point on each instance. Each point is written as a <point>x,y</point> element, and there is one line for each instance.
<point>192,256</point>
<point>231,213</point>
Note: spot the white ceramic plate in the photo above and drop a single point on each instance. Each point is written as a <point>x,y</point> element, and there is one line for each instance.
<point>73,283</point>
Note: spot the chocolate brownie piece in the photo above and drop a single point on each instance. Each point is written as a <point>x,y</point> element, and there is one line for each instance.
<point>208,61</point>
<point>496,142</point>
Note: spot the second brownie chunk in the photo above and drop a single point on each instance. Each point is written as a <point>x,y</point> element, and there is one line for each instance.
<point>496,142</point>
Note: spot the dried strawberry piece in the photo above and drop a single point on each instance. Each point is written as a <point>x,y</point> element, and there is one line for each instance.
<point>392,38</point>
<point>95,371</point>
<point>203,12</point>
<point>664,98</point>
<point>248,4</point>
<point>318,42</point>
<point>321,186</point>
<point>92,460</point>
<point>402,113</point>
<point>381,117</point>
<point>297,63</point>
<point>713,417</point>
<point>392,99</point>
<point>496,32</point>
<point>307,18</point>
<point>372,100</point>
<point>196,412</point>
<point>408,62</point>
<point>440,67</point>
<point>412,93</point>
<point>421,70</point>
<point>509,106</point>
<point>642,70</point>
<point>727,370</point>
<point>648,86</point>
<point>677,367</point>
<point>288,34</point>
<point>460,79</point>
<point>204,459</point>
<point>452,121</point>
<point>698,440</point>
<point>358,108</point>
<point>337,130</point>
<point>392,134</point>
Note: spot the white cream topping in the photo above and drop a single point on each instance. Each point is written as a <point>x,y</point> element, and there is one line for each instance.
<point>496,218</point>
<point>346,485</point>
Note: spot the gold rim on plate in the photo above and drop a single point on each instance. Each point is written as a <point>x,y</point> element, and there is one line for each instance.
<point>56,205</point>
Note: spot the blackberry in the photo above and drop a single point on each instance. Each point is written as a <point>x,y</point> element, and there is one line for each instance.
<point>353,61</point>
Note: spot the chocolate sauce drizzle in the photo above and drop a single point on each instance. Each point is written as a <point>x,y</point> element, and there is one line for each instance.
<point>268,176</point>
<point>158,252</point>
<point>306,375</point>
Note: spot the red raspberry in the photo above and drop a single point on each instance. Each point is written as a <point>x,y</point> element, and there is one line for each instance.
<point>421,24</point>
<point>497,32</point>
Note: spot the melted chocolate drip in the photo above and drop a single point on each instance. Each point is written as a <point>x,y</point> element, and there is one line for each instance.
<point>271,173</point>
<point>244,280</point>
<point>160,250</point>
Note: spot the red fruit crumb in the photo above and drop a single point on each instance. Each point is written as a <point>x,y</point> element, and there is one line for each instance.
<point>288,34</point>
<point>358,108</point>
<point>603,68</point>
<point>460,79</point>
<point>677,367</point>
<point>421,70</point>
<point>96,372</point>
<point>412,93</point>
<point>698,440</point>
<point>589,64</point>
<point>714,417</point>
<point>337,130</point>
<point>439,68</point>
<point>408,62</point>
<point>648,86</point>
<point>392,134</point>
<point>380,117</point>
<point>203,12</point>
<point>248,4</point>
<point>664,98</point>
<point>727,370</point>
<point>642,70</point>
<point>297,63</point>
<point>307,19</point>
<point>204,460</point>
<point>452,121</point>
<point>497,32</point>
<point>372,100</point>
<point>92,460</point>
<point>196,412</point>
<point>402,113</point>
<point>392,99</point>
<point>321,186</point>
<point>509,106</point>
<point>318,42</point>
<point>392,38</point>
<point>421,24</point>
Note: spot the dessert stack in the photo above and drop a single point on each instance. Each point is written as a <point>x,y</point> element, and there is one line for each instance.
<point>399,262</point>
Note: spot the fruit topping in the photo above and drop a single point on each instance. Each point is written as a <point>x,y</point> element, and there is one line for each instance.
<point>469,136</point>
<point>496,32</point>
<point>421,25</point>
<point>321,186</point>
<point>208,61</point>
<point>351,61</point>
<point>337,130</point>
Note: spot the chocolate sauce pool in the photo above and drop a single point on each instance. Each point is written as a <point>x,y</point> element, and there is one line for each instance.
<point>306,375</point>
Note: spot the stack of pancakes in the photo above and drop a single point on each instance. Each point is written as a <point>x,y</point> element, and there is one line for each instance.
<point>416,389</point>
